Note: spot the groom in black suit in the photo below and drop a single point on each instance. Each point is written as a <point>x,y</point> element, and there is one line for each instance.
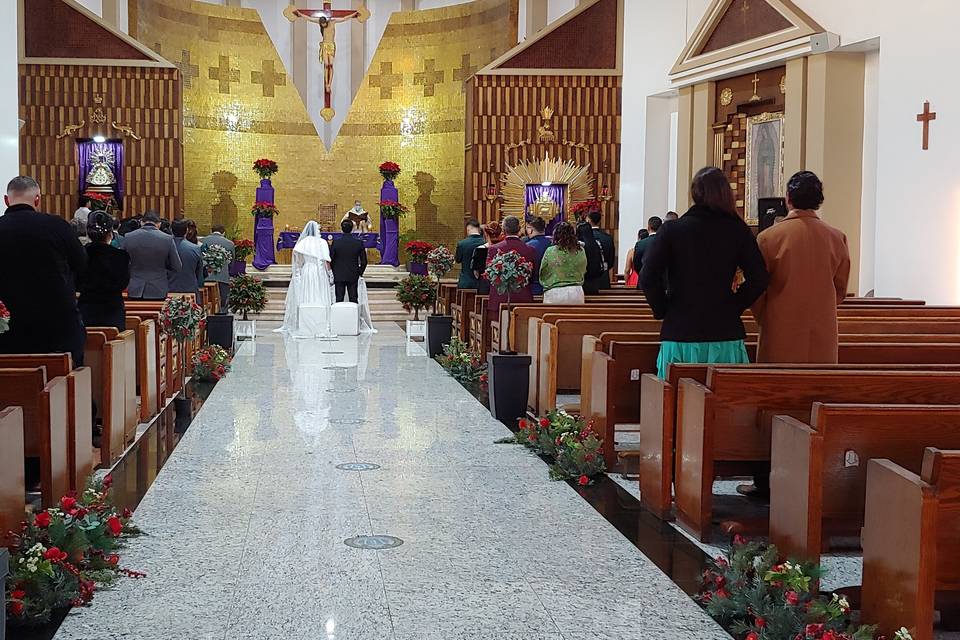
<point>349,260</point>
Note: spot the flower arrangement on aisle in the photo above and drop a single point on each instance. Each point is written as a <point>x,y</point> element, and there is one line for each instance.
<point>99,201</point>
<point>182,319</point>
<point>439,263</point>
<point>581,210</point>
<point>215,257</point>
<point>418,251</point>
<point>507,273</point>
<point>242,249</point>
<point>570,441</point>
<point>754,596</point>
<point>211,363</point>
<point>64,553</point>
<point>392,210</point>
<point>389,170</point>
<point>416,293</point>
<point>4,318</point>
<point>247,295</point>
<point>461,363</point>
<point>265,168</point>
<point>264,210</point>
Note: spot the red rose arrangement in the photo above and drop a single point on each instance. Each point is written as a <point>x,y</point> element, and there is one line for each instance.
<point>389,170</point>
<point>418,250</point>
<point>392,210</point>
<point>4,318</point>
<point>182,319</point>
<point>570,440</point>
<point>581,210</point>
<point>98,201</point>
<point>263,210</point>
<point>242,249</point>
<point>755,596</point>
<point>211,363</point>
<point>461,363</point>
<point>416,293</point>
<point>64,553</point>
<point>265,168</point>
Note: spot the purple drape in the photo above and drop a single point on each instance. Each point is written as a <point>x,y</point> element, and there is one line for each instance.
<point>389,228</point>
<point>557,193</point>
<point>84,150</point>
<point>263,255</point>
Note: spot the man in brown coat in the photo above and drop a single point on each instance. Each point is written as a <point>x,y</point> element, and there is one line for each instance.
<point>809,266</point>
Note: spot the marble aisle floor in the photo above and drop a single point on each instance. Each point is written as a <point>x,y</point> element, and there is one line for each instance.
<point>246,523</point>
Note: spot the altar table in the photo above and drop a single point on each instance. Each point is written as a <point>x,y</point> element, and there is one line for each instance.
<point>288,239</point>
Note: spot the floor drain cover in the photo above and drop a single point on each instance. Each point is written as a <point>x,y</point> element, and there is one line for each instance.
<point>336,368</point>
<point>358,466</point>
<point>347,421</point>
<point>373,542</point>
<point>332,353</point>
<point>341,390</point>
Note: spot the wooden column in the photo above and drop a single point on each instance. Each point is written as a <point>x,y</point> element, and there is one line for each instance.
<point>408,5</point>
<point>110,10</point>
<point>795,118</point>
<point>704,103</point>
<point>834,141</point>
<point>536,14</point>
<point>684,148</point>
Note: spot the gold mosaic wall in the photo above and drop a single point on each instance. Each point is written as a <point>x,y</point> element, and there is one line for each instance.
<point>240,104</point>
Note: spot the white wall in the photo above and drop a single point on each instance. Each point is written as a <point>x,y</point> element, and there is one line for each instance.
<point>868,206</point>
<point>917,249</point>
<point>557,8</point>
<point>9,103</point>
<point>93,5</point>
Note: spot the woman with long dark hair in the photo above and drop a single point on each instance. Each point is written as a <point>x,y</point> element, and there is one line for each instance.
<point>492,233</point>
<point>594,254</point>
<point>563,267</point>
<point>107,275</point>
<point>701,274</point>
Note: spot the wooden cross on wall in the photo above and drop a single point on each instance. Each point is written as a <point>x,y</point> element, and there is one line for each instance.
<point>926,117</point>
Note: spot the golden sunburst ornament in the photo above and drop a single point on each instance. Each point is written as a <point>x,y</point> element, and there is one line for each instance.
<point>577,178</point>
<point>726,97</point>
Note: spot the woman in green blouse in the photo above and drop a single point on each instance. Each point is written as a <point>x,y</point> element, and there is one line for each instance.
<point>563,267</point>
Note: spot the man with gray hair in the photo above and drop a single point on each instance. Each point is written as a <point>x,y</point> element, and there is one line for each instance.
<point>43,260</point>
<point>153,256</point>
<point>511,228</point>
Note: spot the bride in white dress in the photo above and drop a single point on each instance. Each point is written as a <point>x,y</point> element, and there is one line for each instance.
<point>310,283</point>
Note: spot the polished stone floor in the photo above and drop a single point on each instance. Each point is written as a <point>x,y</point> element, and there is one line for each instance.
<point>246,523</point>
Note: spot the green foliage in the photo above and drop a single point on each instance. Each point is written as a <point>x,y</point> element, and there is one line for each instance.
<point>416,293</point>
<point>210,363</point>
<point>756,597</point>
<point>509,272</point>
<point>460,362</point>
<point>572,443</point>
<point>215,257</point>
<point>182,318</point>
<point>247,295</point>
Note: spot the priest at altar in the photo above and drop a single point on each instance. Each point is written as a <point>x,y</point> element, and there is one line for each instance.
<point>359,217</point>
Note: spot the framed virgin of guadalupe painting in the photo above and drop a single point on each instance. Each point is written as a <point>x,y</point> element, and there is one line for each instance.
<point>764,161</point>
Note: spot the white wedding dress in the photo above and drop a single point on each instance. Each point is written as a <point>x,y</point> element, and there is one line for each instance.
<point>310,282</point>
<point>363,302</point>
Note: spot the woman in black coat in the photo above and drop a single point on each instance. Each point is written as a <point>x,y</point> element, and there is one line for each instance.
<point>107,275</point>
<point>594,258</point>
<point>715,271</point>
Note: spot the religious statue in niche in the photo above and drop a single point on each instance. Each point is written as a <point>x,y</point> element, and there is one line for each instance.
<point>327,19</point>
<point>543,207</point>
<point>101,177</point>
<point>101,168</point>
<point>764,160</point>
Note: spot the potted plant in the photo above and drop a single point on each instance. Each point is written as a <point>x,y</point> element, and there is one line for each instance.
<point>247,295</point>
<point>581,210</point>
<point>389,171</point>
<point>242,250</point>
<point>392,210</point>
<point>182,319</point>
<point>211,363</point>
<point>508,371</point>
<point>265,168</point>
<point>4,318</point>
<point>439,327</point>
<point>215,258</point>
<point>417,252</point>
<point>263,210</point>
<point>415,293</point>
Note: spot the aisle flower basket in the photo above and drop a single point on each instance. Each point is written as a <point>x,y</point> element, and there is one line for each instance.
<point>439,327</point>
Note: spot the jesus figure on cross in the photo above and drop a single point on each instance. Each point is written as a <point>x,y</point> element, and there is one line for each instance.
<point>327,19</point>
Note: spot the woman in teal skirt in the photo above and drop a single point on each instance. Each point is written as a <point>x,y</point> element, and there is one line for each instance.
<point>701,274</point>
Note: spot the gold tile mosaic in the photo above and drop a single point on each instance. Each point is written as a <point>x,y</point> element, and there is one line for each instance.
<point>240,104</point>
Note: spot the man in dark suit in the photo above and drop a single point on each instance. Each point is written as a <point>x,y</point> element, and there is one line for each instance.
<point>189,278</point>
<point>464,254</point>
<point>511,227</point>
<point>643,246</point>
<point>348,258</point>
<point>42,261</point>
<point>222,277</point>
<point>536,238</point>
<point>607,248</point>
<point>152,255</point>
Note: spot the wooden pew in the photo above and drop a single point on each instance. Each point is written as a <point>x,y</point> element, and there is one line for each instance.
<point>460,310</point>
<point>107,363</point>
<point>448,295</point>
<point>80,452</point>
<point>148,376</point>
<point>912,525</point>
<point>728,418</point>
<point>12,489</point>
<point>819,467</point>
<point>45,424</point>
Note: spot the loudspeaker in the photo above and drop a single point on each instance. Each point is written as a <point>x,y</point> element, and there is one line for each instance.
<point>824,42</point>
<point>769,209</point>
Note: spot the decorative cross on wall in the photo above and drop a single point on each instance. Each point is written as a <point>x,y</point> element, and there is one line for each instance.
<point>466,69</point>
<point>268,77</point>
<point>386,81</point>
<point>926,117</point>
<point>189,71</point>
<point>429,77</point>
<point>224,75</point>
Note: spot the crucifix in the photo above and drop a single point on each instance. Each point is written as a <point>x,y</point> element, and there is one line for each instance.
<point>327,18</point>
<point>756,84</point>
<point>925,118</point>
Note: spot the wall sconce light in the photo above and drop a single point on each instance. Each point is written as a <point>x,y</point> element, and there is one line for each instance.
<point>605,195</point>
<point>492,194</point>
